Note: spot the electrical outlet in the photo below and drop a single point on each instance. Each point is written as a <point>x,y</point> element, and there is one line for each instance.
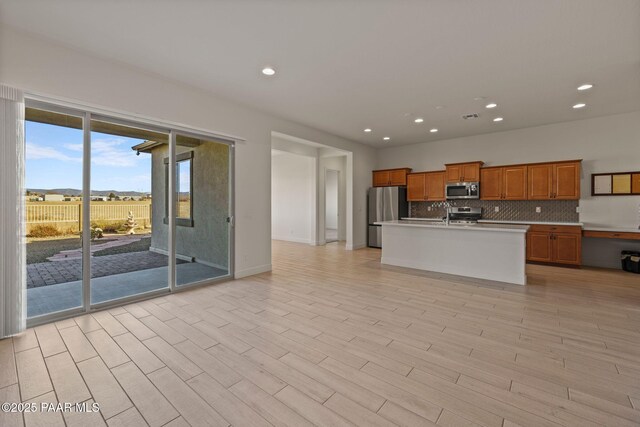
<point>429,208</point>
<point>538,209</point>
<point>577,209</point>
<point>497,208</point>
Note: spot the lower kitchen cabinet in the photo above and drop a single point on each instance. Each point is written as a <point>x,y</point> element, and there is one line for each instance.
<point>555,244</point>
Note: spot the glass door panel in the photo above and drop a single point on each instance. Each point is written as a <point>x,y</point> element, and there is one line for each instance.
<point>202,200</point>
<point>129,252</point>
<point>53,211</point>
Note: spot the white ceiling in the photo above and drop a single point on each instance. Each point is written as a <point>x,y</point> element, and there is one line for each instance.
<point>346,65</point>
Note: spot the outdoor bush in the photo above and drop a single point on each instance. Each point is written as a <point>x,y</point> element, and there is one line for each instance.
<point>44,231</point>
<point>108,226</point>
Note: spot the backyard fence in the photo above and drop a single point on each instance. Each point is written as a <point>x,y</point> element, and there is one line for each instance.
<point>69,215</point>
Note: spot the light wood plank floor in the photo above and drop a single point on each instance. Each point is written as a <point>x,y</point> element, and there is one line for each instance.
<point>331,337</point>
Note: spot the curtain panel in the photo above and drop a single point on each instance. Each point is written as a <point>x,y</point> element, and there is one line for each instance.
<point>12,226</point>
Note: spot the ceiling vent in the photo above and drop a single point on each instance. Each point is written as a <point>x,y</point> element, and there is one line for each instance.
<point>470,116</point>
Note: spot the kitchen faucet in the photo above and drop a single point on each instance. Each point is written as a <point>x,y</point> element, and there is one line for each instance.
<point>447,205</point>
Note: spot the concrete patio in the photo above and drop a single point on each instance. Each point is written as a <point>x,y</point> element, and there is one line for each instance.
<point>63,296</point>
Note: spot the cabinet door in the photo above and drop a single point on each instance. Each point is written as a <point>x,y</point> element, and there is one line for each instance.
<point>471,172</point>
<point>515,183</point>
<point>416,187</point>
<point>539,179</point>
<point>635,183</point>
<point>491,183</point>
<point>398,177</point>
<point>539,247</point>
<point>566,248</point>
<point>435,186</point>
<point>454,173</point>
<point>566,181</point>
<point>381,178</point>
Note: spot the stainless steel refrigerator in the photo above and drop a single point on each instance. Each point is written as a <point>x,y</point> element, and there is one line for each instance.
<point>385,204</point>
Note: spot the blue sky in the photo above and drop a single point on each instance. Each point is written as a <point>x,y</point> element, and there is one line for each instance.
<point>54,160</point>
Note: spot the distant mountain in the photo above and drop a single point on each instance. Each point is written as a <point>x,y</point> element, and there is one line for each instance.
<point>76,192</point>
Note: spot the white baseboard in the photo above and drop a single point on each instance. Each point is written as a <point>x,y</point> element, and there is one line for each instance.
<point>251,271</point>
<point>294,240</point>
<point>164,252</point>
<point>189,259</point>
<point>355,247</point>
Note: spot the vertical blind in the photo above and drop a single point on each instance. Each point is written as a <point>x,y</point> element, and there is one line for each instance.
<point>12,247</point>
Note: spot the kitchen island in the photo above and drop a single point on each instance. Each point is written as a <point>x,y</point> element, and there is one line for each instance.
<point>486,251</point>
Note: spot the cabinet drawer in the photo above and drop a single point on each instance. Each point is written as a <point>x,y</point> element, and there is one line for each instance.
<point>571,229</point>
<point>612,235</point>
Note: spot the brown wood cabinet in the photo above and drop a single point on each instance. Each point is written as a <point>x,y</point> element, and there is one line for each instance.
<point>425,186</point>
<point>554,181</point>
<point>390,177</point>
<point>555,244</point>
<point>503,183</point>
<point>463,172</point>
<point>635,183</point>
<point>416,187</point>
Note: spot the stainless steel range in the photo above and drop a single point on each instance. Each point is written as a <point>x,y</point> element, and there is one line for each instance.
<point>464,215</point>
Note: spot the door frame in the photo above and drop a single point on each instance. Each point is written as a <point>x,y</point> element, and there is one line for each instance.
<point>338,191</point>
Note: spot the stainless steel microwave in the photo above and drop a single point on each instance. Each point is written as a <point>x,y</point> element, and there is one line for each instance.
<point>463,190</point>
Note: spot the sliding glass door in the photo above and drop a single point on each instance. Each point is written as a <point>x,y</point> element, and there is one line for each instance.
<point>53,210</point>
<point>202,213</point>
<point>119,210</point>
<point>127,254</point>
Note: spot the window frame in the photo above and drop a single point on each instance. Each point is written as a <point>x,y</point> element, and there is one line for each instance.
<point>182,157</point>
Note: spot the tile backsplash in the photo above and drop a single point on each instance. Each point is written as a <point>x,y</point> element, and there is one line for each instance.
<point>508,210</point>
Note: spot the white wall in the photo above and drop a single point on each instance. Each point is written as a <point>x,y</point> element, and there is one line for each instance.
<point>44,67</point>
<point>293,194</point>
<point>606,144</point>
<point>331,199</point>
<point>340,164</point>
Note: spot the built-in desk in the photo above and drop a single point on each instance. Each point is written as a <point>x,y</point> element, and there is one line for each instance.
<point>602,244</point>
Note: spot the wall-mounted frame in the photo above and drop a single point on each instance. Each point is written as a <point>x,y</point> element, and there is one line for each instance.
<point>615,184</point>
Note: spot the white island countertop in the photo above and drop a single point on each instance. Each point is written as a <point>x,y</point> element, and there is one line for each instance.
<point>508,228</point>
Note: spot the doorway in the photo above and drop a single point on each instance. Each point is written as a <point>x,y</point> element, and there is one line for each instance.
<point>332,201</point>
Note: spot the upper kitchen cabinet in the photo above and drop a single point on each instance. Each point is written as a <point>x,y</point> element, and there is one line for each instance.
<point>390,177</point>
<point>554,181</point>
<point>463,172</point>
<point>435,185</point>
<point>566,180</point>
<point>416,187</point>
<point>425,186</point>
<point>491,183</point>
<point>514,182</point>
<point>503,183</point>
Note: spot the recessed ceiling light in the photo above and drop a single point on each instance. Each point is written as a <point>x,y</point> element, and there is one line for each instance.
<point>579,105</point>
<point>268,71</point>
<point>440,107</point>
<point>585,86</point>
<point>498,119</point>
<point>491,105</point>
<point>386,138</point>
<point>419,120</point>
<point>367,130</point>
<point>434,130</point>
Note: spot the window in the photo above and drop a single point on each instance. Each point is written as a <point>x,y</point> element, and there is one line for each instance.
<point>184,189</point>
